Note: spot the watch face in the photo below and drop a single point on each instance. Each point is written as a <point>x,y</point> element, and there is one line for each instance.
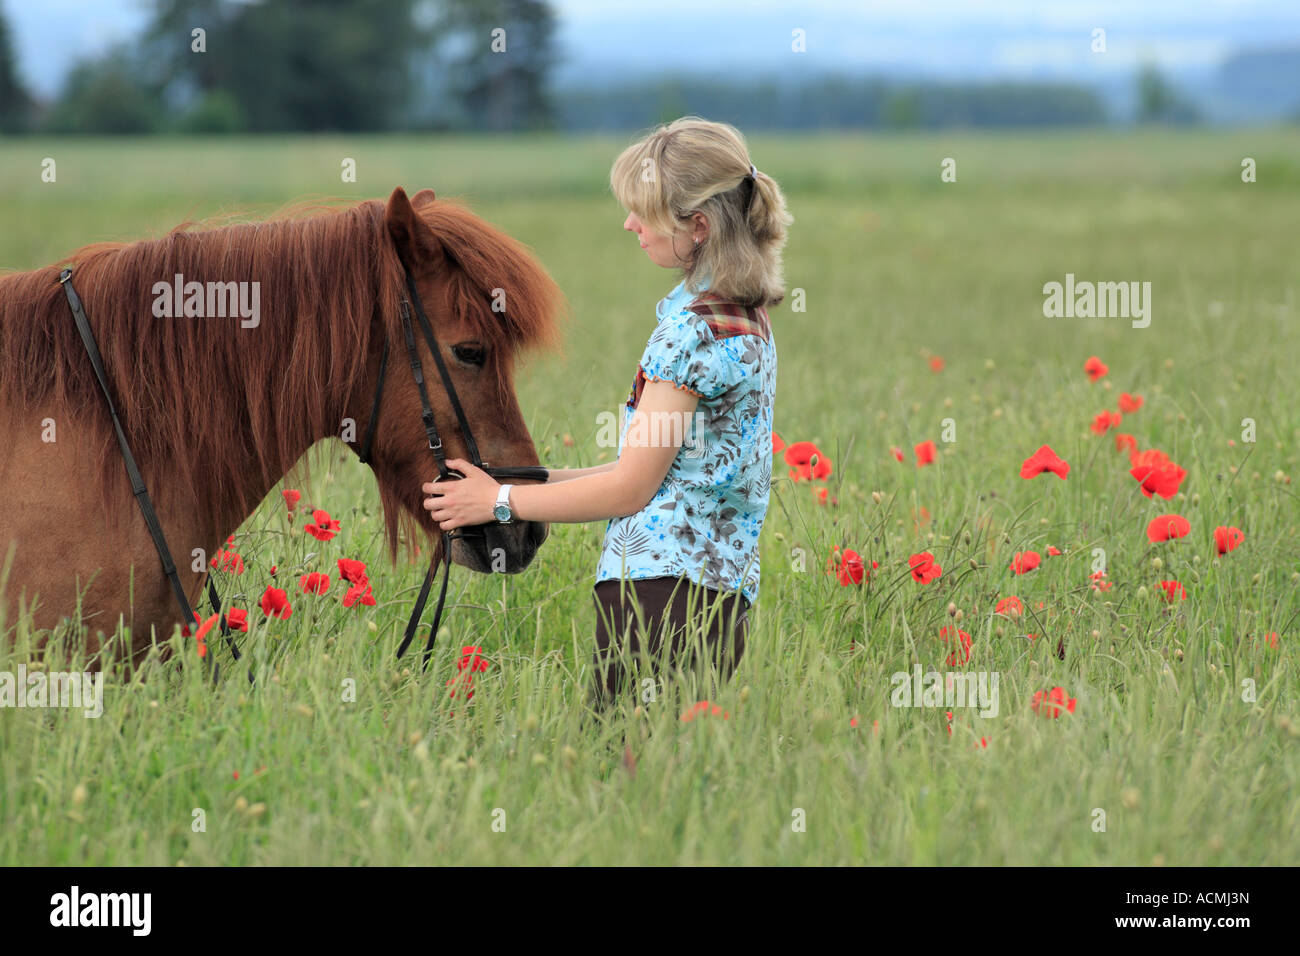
<point>502,512</point>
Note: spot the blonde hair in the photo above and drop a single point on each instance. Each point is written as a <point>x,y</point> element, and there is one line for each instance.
<point>693,165</point>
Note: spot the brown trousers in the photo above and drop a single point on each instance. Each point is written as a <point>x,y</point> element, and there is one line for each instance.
<point>633,616</point>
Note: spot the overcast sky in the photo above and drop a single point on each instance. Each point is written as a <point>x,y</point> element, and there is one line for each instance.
<point>942,38</point>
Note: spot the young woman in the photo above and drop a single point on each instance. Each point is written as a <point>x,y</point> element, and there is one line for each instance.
<point>686,497</point>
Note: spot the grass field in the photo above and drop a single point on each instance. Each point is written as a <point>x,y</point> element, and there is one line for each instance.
<point>896,267</point>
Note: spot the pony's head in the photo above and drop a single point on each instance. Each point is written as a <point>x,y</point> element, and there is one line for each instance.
<point>486,298</point>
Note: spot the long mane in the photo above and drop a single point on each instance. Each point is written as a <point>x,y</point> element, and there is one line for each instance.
<point>324,273</point>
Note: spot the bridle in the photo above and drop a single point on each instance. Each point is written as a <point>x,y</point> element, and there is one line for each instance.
<point>141,493</point>
<point>439,455</point>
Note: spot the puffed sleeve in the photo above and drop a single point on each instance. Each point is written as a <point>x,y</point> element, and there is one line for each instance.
<point>683,351</point>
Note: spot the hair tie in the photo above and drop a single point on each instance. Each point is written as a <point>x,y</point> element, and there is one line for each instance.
<point>753,173</point>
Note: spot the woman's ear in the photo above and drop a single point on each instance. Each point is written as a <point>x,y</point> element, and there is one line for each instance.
<point>699,227</point>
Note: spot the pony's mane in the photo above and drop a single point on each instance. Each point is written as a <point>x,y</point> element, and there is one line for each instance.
<point>323,275</point>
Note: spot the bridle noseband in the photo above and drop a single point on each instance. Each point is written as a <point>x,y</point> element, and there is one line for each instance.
<point>439,455</point>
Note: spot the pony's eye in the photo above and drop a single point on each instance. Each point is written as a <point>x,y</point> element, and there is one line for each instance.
<point>469,354</point>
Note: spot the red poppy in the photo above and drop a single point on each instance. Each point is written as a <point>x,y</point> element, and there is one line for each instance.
<point>896,452</point>
<point>1105,421</point>
<point>201,635</point>
<point>324,527</point>
<point>1152,457</point>
<point>273,570</point>
<point>1271,639</point>
<point>924,570</point>
<point>291,498</point>
<point>471,659</point>
<point>1010,607</point>
<point>237,619</point>
<point>1025,561</point>
<point>1128,404</point>
<point>703,708</point>
<point>808,462</point>
<point>961,654</point>
<point>359,590</point>
<point>1053,551</point>
<point>1052,703</point>
<point>1225,539</point>
<point>225,560</point>
<point>462,682</point>
<point>1044,460</point>
<point>936,364</point>
<point>1095,368</point>
<point>852,569</point>
<point>1162,480</point>
<point>1099,582</point>
<point>1124,440</point>
<point>314,583</point>
<point>1168,527</point>
<point>1170,590</point>
<point>275,603</point>
<point>924,453</point>
<point>920,518</point>
<point>354,572</point>
<point>185,628</point>
<point>778,443</point>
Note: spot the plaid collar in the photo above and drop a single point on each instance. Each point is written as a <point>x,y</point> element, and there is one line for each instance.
<point>727,318</point>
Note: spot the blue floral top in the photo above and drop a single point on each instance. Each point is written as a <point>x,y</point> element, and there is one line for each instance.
<point>705,519</point>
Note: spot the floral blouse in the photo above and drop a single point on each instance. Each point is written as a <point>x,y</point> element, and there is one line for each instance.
<point>705,519</point>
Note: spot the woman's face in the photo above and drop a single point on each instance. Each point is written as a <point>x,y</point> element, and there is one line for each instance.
<point>658,246</point>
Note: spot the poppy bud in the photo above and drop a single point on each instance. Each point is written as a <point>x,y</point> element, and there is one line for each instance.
<point>952,609</point>
<point>1157,563</point>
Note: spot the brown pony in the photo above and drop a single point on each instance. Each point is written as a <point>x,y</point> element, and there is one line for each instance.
<point>218,410</point>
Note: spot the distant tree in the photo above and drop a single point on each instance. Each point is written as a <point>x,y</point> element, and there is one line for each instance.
<point>15,102</point>
<point>1158,102</point>
<point>106,95</point>
<point>288,65</point>
<point>498,55</point>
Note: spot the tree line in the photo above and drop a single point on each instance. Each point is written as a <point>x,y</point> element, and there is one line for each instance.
<point>227,66</point>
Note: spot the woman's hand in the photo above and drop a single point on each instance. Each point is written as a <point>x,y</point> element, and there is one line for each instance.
<point>460,502</point>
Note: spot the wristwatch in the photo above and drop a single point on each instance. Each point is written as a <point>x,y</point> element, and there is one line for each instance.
<point>501,510</point>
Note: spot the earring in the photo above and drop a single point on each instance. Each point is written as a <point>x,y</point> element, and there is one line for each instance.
<point>697,240</point>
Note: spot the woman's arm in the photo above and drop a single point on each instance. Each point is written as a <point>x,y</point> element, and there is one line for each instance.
<point>607,491</point>
<point>625,486</point>
<point>568,474</point>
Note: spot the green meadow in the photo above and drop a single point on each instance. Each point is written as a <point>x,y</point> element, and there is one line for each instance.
<point>1183,746</point>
